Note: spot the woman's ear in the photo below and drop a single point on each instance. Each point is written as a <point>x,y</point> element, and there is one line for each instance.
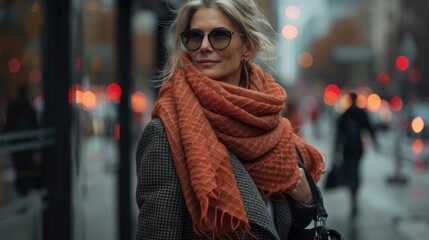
<point>248,52</point>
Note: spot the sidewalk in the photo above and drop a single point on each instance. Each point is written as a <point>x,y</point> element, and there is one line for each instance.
<point>386,210</point>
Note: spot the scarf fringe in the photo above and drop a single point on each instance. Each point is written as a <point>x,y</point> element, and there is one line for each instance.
<point>210,230</point>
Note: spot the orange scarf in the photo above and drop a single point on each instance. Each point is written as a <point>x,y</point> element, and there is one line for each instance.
<point>204,119</point>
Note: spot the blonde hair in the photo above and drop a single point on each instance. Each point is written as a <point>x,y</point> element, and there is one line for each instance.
<point>245,13</point>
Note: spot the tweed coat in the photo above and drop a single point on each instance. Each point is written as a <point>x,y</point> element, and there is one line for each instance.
<point>163,213</point>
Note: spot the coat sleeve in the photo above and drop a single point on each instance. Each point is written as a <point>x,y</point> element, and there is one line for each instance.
<point>159,197</point>
<point>302,214</point>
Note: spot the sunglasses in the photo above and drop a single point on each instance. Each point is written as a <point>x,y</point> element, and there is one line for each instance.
<point>219,39</point>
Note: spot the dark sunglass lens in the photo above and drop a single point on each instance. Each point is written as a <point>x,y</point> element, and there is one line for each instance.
<point>220,39</point>
<point>192,39</point>
<point>220,34</point>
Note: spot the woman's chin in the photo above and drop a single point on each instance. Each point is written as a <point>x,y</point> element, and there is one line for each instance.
<point>210,73</point>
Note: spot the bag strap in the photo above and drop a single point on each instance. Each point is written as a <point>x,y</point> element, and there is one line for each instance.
<point>321,215</point>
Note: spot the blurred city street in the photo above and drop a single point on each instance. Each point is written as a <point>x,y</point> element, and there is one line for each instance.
<point>394,211</point>
<point>79,81</point>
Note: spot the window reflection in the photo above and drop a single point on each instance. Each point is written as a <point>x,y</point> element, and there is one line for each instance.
<point>21,106</point>
<point>21,95</point>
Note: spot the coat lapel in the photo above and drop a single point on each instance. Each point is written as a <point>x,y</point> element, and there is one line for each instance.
<point>283,218</point>
<point>256,208</point>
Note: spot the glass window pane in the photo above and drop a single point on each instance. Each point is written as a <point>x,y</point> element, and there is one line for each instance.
<point>95,102</point>
<point>21,110</point>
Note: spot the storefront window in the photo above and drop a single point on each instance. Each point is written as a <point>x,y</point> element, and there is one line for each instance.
<point>21,108</point>
<point>95,110</point>
<point>87,154</point>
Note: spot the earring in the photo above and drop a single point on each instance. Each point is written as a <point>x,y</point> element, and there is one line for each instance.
<point>246,73</point>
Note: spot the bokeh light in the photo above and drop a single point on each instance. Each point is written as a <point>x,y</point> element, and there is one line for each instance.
<point>361,101</point>
<point>395,103</point>
<point>79,96</point>
<point>331,95</point>
<point>384,112</point>
<point>414,75</point>
<point>383,78</point>
<point>71,95</point>
<point>345,102</point>
<point>417,124</point>
<point>373,102</point>
<point>117,131</point>
<point>77,63</point>
<point>289,31</point>
<point>417,146</point>
<point>139,102</point>
<point>114,92</point>
<point>14,65</point>
<point>35,75</point>
<point>305,59</point>
<point>292,12</point>
<point>96,64</point>
<point>37,100</point>
<point>420,166</point>
<point>402,63</point>
<point>89,100</point>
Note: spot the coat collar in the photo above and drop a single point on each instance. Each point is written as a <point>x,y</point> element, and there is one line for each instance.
<point>255,206</point>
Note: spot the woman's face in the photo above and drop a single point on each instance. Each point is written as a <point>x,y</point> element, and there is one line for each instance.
<point>222,65</point>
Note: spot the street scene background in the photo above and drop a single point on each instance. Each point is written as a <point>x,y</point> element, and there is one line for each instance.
<point>76,91</point>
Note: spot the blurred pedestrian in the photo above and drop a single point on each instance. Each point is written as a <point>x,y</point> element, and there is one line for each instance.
<point>217,160</point>
<point>21,116</point>
<point>348,144</point>
<point>292,113</point>
<point>314,119</point>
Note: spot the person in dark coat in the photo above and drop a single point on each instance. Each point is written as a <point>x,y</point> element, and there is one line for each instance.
<point>351,125</point>
<point>21,116</point>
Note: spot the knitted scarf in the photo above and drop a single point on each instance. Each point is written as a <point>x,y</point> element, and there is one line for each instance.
<point>204,120</point>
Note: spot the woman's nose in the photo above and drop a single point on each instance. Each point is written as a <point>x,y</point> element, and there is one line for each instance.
<point>205,45</point>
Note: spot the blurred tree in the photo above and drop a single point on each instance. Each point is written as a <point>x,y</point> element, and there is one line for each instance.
<point>345,32</point>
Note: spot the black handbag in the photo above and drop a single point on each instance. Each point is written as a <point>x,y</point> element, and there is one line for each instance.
<point>320,231</point>
<point>334,178</point>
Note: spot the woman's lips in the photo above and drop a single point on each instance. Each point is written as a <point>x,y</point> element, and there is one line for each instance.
<point>207,63</point>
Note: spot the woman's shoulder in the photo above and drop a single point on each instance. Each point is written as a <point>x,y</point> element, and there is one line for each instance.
<point>153,134</point>
<point>155,124</point>
<point>153,129</point>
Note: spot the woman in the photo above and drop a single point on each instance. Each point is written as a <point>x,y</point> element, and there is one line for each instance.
<point>217,161</point>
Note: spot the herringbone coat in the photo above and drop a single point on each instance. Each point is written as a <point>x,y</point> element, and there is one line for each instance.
<point>163,214</point>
